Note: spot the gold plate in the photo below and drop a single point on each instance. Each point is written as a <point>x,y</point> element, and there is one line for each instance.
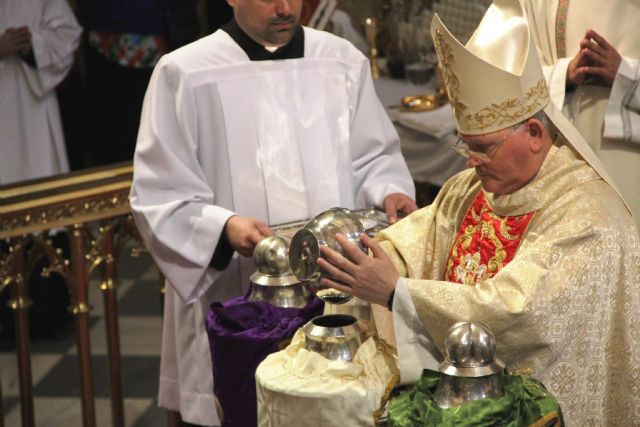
<point>419,103</point>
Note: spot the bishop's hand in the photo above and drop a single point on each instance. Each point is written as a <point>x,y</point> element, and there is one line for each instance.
<point>244,233</point>
<point>369,278</point>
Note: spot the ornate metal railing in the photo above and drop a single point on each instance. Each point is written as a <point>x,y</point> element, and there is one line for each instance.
<point>77,202</point>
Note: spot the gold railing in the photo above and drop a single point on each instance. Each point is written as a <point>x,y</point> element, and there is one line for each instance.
<point>72,201</point>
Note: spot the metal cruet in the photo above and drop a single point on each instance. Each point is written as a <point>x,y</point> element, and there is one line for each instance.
<point>305,249</point>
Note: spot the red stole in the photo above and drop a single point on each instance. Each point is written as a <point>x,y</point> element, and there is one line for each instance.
<point>486,242</point>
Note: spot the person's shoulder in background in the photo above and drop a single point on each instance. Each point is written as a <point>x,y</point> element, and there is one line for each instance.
<point>322,44</point>
<point>342,26</point>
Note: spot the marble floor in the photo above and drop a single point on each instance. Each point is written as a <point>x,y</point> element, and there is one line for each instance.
<point>56,378</point>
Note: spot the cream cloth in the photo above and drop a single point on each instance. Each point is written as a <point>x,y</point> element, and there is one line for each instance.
<point>296,387</point>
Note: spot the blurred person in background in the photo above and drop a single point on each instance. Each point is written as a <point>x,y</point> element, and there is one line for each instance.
<point>124,41</point>
<point>38,39</point>
<point>591,58</point>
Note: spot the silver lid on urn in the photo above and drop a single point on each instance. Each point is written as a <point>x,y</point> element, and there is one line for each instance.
<point>274,282</point>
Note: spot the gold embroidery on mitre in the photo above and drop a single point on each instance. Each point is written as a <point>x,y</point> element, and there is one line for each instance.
<point>451,81</point>
<point>511,111</point>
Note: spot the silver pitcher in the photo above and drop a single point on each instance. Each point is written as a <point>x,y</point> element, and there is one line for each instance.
<point>335,336</point>
<point>274,282</point>
<point>471,369</point>
<point>320,231</point>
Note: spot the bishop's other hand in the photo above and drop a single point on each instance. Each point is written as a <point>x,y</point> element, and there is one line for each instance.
<point>370,278</point>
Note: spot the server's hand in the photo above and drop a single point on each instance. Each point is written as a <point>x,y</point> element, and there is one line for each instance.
<point>245,232</point>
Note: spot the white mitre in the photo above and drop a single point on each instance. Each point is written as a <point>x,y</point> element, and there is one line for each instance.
<point>495,81</point>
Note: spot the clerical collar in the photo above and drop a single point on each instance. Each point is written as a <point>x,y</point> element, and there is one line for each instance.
<point>256,52</point>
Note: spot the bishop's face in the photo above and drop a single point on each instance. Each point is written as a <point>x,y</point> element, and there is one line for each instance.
<point>268,22</point>
<point>507,160</point>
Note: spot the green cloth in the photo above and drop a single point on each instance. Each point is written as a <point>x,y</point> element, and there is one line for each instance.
<point>526,400</point>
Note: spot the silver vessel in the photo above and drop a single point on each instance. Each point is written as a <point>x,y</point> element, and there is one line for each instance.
<point>335,336</point>
<point>320,231</point>
<point>471,369</point>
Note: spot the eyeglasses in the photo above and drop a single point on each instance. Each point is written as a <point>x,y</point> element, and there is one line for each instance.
<point>487,152</point>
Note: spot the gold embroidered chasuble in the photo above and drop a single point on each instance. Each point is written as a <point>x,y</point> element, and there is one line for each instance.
<point>565,307</point>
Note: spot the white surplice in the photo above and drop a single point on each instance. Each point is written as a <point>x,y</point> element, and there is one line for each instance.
<point>275,140</point>
<point>608,117</point>
<point>31,139</point>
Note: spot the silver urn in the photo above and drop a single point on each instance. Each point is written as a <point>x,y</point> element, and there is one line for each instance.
<point>274,282</point>
<point>335,336</point>
<point>306,243</point>
<point>471,369</point>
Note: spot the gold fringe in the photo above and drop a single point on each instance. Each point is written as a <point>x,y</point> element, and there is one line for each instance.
<point>544,421</point>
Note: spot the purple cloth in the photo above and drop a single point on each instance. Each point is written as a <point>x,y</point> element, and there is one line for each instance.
<point>241,335</point>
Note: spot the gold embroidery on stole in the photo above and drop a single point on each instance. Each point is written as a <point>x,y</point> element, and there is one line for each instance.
<point>485,224</point>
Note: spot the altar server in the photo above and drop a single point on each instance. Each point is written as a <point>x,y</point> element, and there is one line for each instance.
<point>262,122</point>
